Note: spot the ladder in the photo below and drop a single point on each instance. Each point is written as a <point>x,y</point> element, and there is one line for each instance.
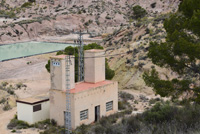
<point>68,128</point>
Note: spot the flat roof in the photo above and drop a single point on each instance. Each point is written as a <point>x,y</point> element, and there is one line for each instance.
<point>34,100</point>
<point>94,50</point>
<point>82,86</point>
<point>58,57</point>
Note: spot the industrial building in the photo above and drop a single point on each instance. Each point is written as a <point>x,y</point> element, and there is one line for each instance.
<point>78,103</point>
<point>90,99</point>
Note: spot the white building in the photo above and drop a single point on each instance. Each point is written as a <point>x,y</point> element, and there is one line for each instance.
<point>33,109</point>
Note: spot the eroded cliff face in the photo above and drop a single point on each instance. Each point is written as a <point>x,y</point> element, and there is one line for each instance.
<point>21,21</point>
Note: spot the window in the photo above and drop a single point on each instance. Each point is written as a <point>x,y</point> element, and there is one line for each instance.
<point>109,106</point>
<point>56,63</point>
<point>37,108</point>
<point>84,114</point>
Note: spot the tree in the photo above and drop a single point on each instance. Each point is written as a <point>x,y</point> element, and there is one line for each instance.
<point>139,12</point>
<point>180,53</point>
<point>74,50</point>
<point>109,72</point>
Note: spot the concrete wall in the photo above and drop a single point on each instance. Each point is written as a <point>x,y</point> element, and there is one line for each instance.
<point>58,74</point>
<point>94,97</point>
<point>58,106</point>
<point>25,112</point>
<point>94,67</point>
<point>42,114</point>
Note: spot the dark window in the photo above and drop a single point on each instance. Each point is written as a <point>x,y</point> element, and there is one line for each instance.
<point>84,114</point>
<point>37,108</point>
<point>109,106</point>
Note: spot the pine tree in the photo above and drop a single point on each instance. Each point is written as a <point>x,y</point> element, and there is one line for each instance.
<point>180,53</point>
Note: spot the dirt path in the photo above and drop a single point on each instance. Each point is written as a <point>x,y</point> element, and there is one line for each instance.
<point>5,119</point>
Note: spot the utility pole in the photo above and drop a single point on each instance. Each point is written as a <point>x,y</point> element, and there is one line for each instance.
<point>80,55</point>
<point>80,59</point>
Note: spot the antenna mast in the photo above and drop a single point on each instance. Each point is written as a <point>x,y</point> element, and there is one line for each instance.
<point>80,54</point>
<point>80,59</point>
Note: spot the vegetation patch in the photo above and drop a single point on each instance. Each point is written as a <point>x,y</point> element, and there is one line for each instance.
<point>162,118</point>
<point>27,4</point>
<point>7,14</point>
<point>17,124</point>
<point>139,12</point>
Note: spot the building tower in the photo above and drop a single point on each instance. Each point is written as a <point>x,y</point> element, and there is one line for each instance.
<point>94,65</point>
<point>58,72</point>
<point>62,80</point>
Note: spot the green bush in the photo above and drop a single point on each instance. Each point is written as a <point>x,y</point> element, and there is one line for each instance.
<point>13,131</point>
<point>121,105</point>
<point>42,124</point>
<point>26,5</point>
<point>139,12</point>
<point>53,122</point>
<point>153,101</point>
<point>3,100</point>
<point>109,72</point>
<point>18,124</point>
<point>160,113</point>
<point>99,129</point>
<point>6,107</point>
<point>82,129</point>
<point>126,96</point>
<point>4,83</point>
<point>7,14</point>
<point>133,125</point>
<point>163,118</point>
<point>19,85</point>
<point>10,91</point>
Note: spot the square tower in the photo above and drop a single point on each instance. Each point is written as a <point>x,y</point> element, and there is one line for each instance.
<point>58,72</point>
<point>94,63</point>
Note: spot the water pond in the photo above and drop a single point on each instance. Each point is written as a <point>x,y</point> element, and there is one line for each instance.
<point>25,49</point>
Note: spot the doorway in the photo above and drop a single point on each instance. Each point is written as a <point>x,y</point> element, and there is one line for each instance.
<point>97,113</point>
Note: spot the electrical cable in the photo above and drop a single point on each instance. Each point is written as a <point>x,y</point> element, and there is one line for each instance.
<point>101,56</point>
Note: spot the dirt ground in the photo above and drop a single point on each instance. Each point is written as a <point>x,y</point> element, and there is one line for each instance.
<point>33,75</point>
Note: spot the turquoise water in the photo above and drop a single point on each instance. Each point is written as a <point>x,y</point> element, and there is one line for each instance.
<point>29,48</point>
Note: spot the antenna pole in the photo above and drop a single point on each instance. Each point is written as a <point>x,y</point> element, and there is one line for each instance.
<point>80,59</point>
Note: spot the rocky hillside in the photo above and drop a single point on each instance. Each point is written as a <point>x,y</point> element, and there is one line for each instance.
<point>132,43</point>
<point>21,20</point>
<point>111,20</point>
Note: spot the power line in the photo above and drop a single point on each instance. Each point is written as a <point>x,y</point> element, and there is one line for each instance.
<point>102,56</point>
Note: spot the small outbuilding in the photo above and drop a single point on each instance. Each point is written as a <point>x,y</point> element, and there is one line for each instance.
<point>33,109</point>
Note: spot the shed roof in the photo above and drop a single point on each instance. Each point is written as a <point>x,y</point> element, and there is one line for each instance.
<point>34,100</point>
